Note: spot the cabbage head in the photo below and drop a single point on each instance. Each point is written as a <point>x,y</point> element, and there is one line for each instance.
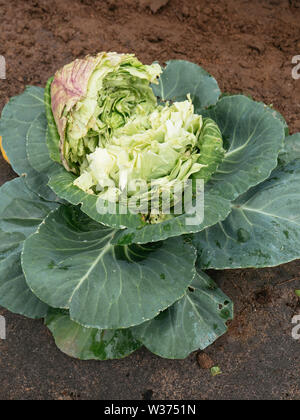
<point>122,144</point>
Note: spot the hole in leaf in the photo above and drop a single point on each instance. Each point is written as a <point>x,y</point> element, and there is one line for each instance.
<point>225,314</point>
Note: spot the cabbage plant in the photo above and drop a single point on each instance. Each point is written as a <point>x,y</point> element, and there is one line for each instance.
<point>87,242</point>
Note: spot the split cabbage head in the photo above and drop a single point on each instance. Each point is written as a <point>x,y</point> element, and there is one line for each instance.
<point>107,129</point>
<point>120,142</point>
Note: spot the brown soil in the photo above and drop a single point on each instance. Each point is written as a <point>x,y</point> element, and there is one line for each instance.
<point>248,47</point>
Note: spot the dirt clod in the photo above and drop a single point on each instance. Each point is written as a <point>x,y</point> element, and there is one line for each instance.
<point>263,296</point>
<point>204,361</point>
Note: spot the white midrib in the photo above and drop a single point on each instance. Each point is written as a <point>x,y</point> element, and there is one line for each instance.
<point>95,263</point>
<point>36,97</point>
<point>238,148</point>
<point>194,307</point>
<point>268,214</point>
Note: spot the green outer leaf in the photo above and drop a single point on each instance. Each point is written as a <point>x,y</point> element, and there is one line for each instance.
<point>274,112</point>
<point>181,78</point>
<point>263,229</point>
<point>14,292</point>
<point>36,147</point>
<point>291,149</point>
<point>87,343</point>
<point>192,323</point>
<point>216,209</point>
<point>53,139</point>
<point>253,137</point>
<point>17,117</point>
<point>70,263</point>
<point>37,183</point>
<point>21,211</point>
<point>39,159</point>
<point>280,117</point>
